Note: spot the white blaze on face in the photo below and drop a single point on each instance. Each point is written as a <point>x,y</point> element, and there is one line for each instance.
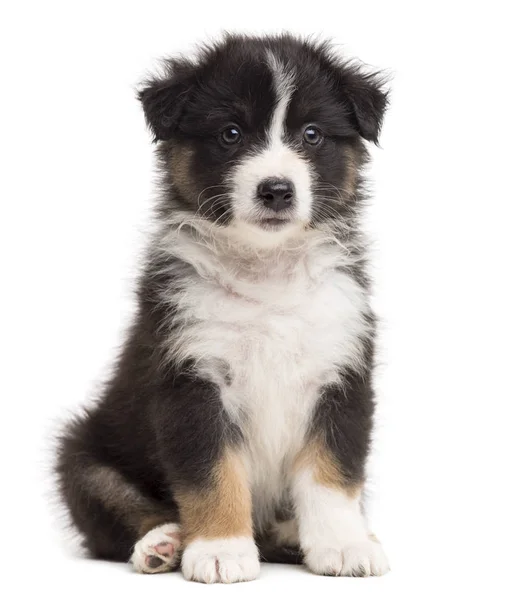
<point>275,160</point>
<point>283,81</point>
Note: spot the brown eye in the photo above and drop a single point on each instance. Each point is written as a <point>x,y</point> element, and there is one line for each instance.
<point>231,135</point>
<point>312,135</point>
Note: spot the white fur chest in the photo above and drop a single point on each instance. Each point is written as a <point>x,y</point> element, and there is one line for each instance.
<point>271,337</point>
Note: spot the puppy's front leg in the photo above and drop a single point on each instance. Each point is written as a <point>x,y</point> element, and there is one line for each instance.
<point>327,485</point>
<point>217,520</point>
<point>200,449</point>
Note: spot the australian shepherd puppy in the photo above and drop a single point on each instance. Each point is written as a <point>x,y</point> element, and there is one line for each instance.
<point>237,423</point>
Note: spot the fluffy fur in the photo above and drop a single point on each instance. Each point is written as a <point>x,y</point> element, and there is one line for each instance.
<point>239,415</point>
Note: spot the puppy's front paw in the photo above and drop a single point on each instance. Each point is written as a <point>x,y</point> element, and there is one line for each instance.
<point>224,560</point>
<point>359,559</point>
<point>157,551</point>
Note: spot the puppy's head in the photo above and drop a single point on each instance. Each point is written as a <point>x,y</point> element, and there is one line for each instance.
<point>263,135</point>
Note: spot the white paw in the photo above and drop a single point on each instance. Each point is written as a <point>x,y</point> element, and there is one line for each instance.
<point>223,560</point>
<point>359,559</point>
<point>157,551</point>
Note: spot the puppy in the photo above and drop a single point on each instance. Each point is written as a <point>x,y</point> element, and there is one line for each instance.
<point>237,423</point>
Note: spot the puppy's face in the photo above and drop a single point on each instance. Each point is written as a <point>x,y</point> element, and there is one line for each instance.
<point>263,135</point>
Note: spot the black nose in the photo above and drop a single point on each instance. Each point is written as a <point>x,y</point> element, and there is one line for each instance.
<point>276,194</point>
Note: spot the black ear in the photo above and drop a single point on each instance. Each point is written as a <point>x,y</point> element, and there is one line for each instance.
<point>367,99</point>
<point>163,98</point>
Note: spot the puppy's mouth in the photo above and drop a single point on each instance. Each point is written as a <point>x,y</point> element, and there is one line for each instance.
<point>273,223</point>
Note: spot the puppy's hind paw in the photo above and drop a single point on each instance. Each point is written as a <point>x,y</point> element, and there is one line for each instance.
<point>157,551</point>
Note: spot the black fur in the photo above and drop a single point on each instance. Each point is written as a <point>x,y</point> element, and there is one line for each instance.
<point>344,417</point>
<point>159,424</point>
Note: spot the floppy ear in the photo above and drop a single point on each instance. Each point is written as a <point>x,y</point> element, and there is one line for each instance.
<point>367,98</point>
<point>163,98</point>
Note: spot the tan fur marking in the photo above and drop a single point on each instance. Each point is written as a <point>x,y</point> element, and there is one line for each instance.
<point>316,456</point>
<point>351,166</point>
<point>222,510</point>
<point>180,164</point>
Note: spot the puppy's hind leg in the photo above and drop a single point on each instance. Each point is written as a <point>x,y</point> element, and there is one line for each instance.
<point>117,521</point>
<point>154,526</point>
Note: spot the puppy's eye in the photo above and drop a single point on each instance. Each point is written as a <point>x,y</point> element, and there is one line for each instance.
<point>312,135</point>
<point>231,135</point>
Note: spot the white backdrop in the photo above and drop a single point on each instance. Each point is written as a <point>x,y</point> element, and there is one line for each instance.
<point>75,190</point>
